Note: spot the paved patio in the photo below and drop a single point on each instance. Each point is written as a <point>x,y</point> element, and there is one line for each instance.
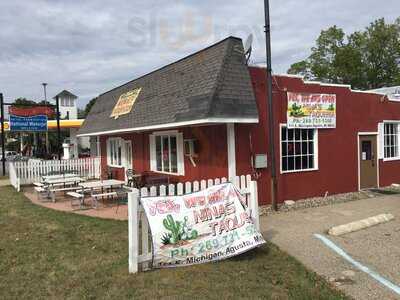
<point>63,203</point>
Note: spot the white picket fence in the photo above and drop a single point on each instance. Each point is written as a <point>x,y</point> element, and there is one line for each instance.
<point>28,172</point>
<point>140,245</point>
<point>14,180</point>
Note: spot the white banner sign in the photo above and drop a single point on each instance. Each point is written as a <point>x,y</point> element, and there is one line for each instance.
<point>311,110</point>
<point>200,227</point>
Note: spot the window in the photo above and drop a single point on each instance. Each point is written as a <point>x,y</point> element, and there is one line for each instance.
<point>391,140</point>
<point>298,149</point>
<point>114,152</point>
<point>166,153</point>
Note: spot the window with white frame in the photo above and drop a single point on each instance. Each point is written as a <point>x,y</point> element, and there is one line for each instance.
<point>114,152</point>
<point>166,153</point>
<point>391,140</point>
<point>298,149</point>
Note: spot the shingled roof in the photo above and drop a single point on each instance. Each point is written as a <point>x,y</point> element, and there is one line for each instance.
<point>209,86</point>
<point>65,94</point>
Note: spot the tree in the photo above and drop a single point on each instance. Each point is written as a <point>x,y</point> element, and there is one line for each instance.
<point>23,101</point>
<point>364,59</point>
<point>88,108</point>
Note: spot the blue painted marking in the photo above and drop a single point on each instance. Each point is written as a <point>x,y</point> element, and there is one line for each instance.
<point>395,288</point>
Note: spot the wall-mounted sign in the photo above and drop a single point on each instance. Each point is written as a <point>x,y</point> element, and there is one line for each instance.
<point>125,103</point>
<point>34,123</point>
<point>311,110</point>
<point>31,111</point>
<point>200,227</point>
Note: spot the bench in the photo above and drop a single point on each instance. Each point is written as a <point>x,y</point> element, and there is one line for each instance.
<point>53,191</point>
<point>38,184</point>
<point>41,192</point>
<point>96,196</point>
<point>78,196</point>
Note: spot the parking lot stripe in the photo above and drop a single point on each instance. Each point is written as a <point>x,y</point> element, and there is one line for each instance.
<point>358,265</point>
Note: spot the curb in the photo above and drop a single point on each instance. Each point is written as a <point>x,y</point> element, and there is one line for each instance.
<point>361,224</point>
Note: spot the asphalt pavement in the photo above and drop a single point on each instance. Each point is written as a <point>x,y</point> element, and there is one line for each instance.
<point>377,248</point>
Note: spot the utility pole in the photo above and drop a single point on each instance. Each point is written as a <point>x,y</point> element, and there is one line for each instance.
<point>3,146</point>
<point>47,132</point>
<point>271,123</point>
<point>58,128</point>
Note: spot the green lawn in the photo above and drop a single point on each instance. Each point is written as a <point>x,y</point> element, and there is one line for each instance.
<point>56,255</point>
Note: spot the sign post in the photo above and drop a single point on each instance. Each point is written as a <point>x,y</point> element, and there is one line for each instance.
<point>3,148</point>
<point>58,128</point>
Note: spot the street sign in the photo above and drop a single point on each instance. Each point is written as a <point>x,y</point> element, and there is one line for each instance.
<point>34,123</point>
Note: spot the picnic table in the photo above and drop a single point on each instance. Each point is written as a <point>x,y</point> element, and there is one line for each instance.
<point>101,185</point>
<point>57,184</point>
<point>52,177</point>
<point>64,181</point>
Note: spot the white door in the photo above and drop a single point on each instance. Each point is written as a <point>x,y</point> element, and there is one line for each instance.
<point>128,159</point>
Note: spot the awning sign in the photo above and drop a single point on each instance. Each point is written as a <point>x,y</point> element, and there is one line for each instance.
<point>125,103</point>
<point>311,110</point>
<point>205,226</point>
<point>34,123</point>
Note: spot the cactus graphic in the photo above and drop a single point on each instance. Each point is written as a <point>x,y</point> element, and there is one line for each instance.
<point>174,227</point>
<point>179,231</point>
<point>187,232</point>
<point>166,239</point>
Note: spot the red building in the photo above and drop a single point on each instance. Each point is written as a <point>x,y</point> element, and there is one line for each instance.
<point>204,116</point>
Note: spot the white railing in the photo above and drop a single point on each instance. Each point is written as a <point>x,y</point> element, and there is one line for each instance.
<point>14,180</point>
<point>31,171</point>
<point>140,252</point>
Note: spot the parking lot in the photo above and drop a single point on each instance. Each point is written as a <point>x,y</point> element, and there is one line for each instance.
<point>377,248</point>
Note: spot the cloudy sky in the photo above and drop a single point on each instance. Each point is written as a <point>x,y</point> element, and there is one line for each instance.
<point>91,46</point>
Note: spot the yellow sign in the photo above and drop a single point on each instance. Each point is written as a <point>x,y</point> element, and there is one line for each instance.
<point>125,103</point>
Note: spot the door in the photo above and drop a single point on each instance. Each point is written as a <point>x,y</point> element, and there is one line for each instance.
<point>128,159</point>
<point>368,161</point>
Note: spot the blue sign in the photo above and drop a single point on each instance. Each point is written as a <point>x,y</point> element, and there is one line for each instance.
<point>34,123</point>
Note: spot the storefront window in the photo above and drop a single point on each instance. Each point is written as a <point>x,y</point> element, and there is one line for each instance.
<point>298,149</point>
<point>167,153</point>
<point>114,153</point>
<point>391,140</point>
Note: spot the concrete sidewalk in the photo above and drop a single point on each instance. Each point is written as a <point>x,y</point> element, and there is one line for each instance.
<point>377,247</point>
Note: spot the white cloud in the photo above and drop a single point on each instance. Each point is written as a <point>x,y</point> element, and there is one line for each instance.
<point>91,46</point>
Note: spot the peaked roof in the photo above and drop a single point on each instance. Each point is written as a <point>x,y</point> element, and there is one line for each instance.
<point>393,92</point>
<point>210,86</point>
<point>66,94</point>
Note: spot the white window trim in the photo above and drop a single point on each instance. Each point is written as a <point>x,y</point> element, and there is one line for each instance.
<point>121,141</point>
<point>316,167</point>
<point>179,150</point>
<point>383,139</point>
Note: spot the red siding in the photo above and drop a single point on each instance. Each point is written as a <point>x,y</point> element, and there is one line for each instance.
<point>211,162</point>
<point>337,148</point>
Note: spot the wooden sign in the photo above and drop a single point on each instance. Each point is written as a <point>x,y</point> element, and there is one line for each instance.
<point>125,103</point>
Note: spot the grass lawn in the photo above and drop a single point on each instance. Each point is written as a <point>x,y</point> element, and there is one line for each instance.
<point>56,255</point>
